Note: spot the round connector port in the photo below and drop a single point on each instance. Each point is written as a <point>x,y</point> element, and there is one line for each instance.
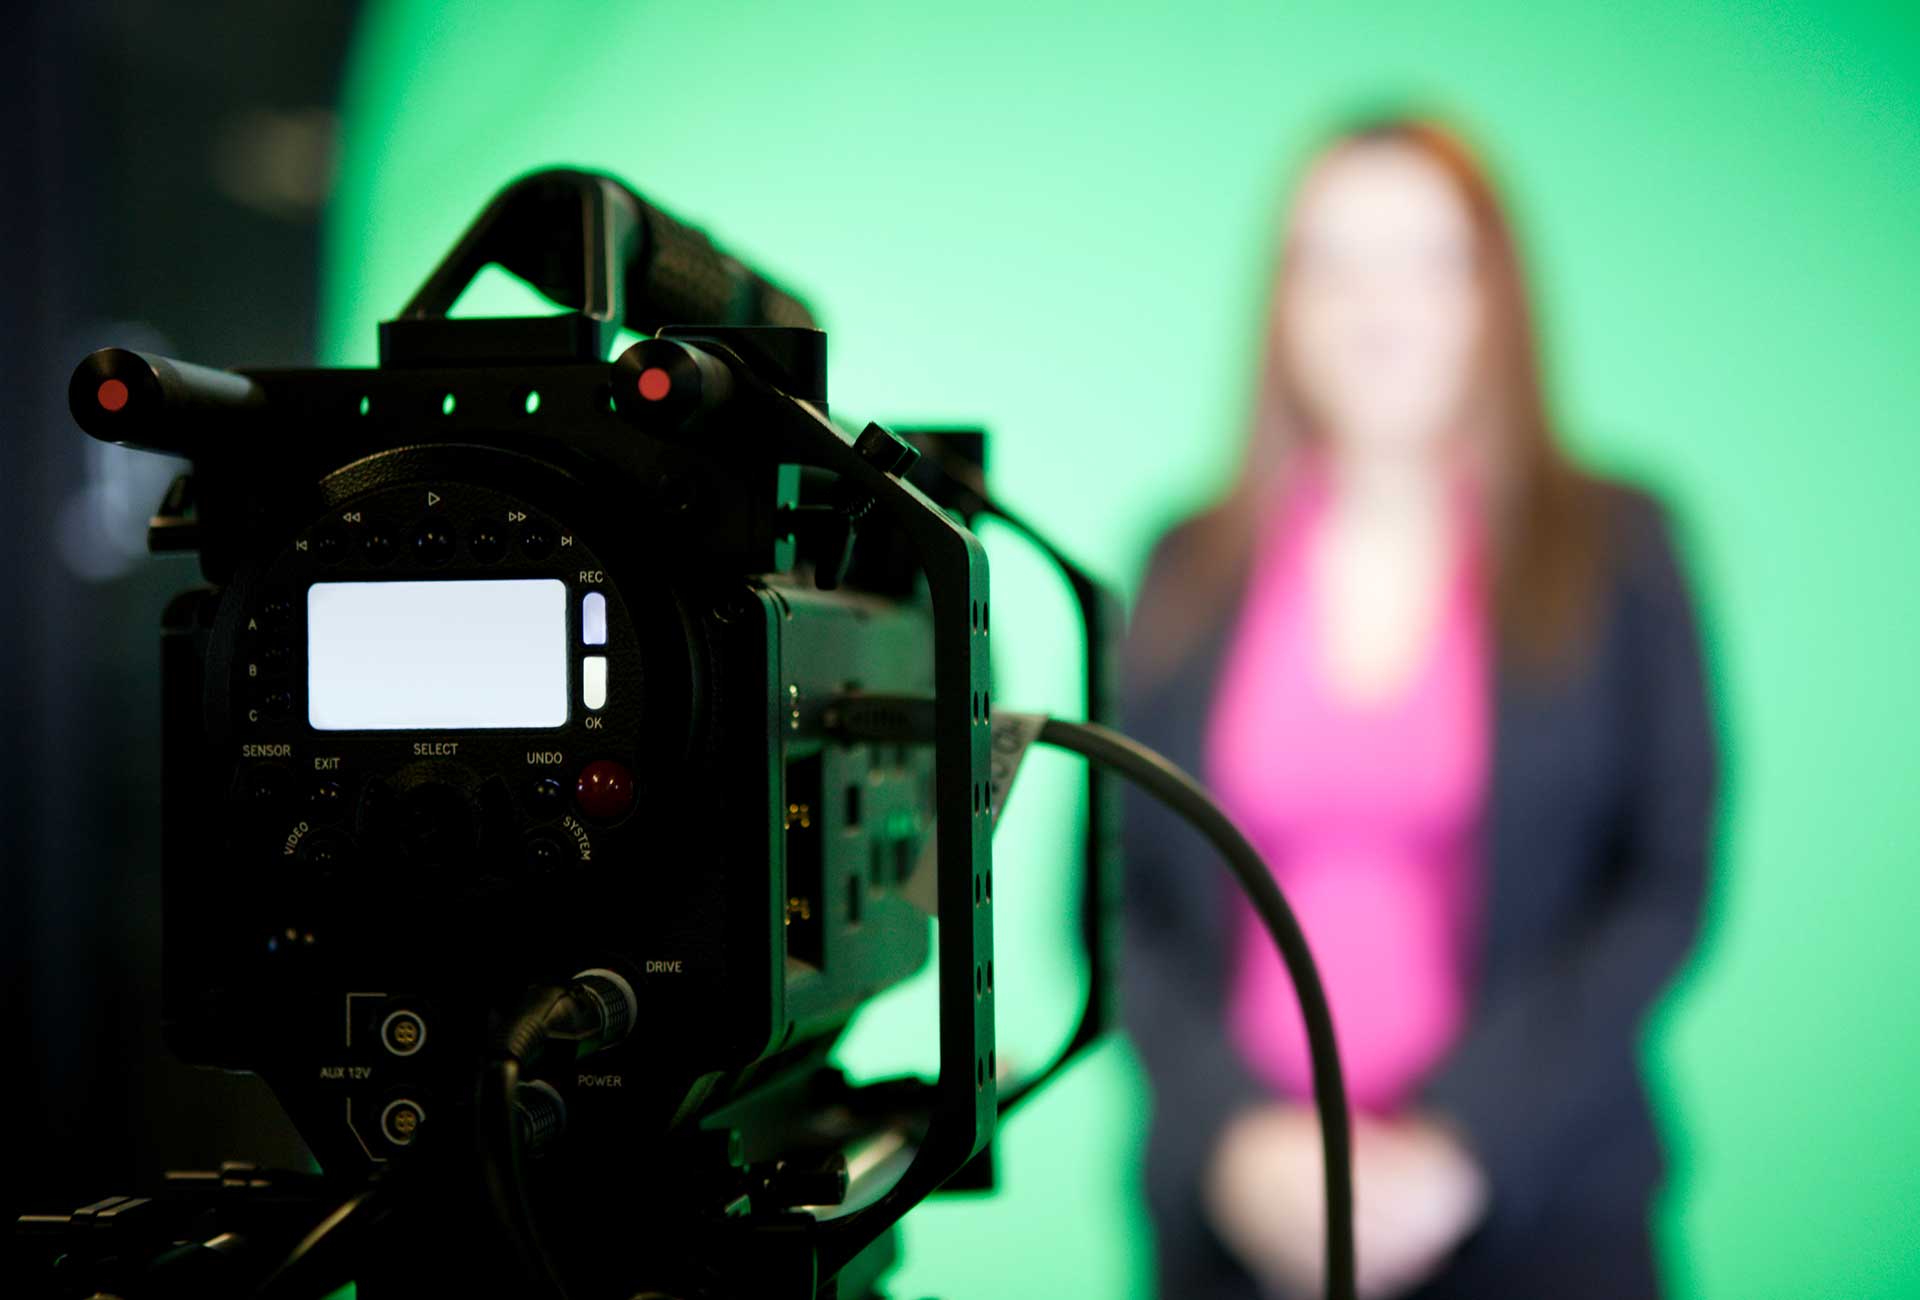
<point>401,1119</point>
<point>403,1032</point>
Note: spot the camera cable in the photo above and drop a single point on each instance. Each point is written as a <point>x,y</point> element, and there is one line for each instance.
<point>1158,777</point>
<point>595,1010</point>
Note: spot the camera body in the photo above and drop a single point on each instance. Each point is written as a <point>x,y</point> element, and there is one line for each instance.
<point>515,666</point>
<point>495,683</point>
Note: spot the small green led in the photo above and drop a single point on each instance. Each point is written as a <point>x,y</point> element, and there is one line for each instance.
<point>366,404</point>
<point>446,404</point>
<point>533,400</point>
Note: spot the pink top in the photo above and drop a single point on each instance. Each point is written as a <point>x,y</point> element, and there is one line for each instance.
<point>1368,814</point>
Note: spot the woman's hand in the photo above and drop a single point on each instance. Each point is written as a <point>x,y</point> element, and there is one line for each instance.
<point>1417,1194</point>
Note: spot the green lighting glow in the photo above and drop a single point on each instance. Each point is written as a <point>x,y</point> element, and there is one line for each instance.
<point>1000,207</point>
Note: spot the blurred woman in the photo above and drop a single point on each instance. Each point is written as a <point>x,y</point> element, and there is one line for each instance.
<point>1450,685</point>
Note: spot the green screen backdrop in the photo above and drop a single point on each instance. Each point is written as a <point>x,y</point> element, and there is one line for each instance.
<point>1052,218</point>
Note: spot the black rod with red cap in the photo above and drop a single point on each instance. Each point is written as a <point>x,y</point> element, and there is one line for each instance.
<point>156,403</point>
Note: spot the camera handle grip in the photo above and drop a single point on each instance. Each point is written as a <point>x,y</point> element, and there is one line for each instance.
<point>586,241</point>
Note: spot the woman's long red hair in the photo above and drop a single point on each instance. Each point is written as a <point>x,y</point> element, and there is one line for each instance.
<point>1544,516</point>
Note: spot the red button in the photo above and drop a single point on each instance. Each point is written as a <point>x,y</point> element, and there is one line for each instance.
<point>605,789</point>
<point>112,394</point>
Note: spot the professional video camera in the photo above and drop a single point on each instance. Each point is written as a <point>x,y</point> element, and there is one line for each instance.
<point>563,752</point>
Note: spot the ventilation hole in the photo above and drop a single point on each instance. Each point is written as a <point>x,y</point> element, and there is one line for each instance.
<point>853,899</point>
<point>989,977</point>
<point>989,886</point>
<point>983,616</point>
<point>979,980</point>
<point>993,1065</point>
<point>980,1072</point>
<point>976,891</point>
<point>853,807</point>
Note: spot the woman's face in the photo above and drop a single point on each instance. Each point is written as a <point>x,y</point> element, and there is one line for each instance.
<point>1381,307</point>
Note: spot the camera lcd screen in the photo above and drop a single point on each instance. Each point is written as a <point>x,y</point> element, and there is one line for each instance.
<point>418,656</point>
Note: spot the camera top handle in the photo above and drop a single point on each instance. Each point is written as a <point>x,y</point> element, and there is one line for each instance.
<point>584,241</point>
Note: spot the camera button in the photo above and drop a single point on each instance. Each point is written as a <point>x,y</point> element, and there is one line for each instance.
<point>544,853</point>
<point>276,612</point>
<point>487,544</point>
<point>330,851</point>
<point>547,795</point>
<point>433,545</point>
<point>267,785</point>
<point>330,544</point>
<point>536,539</point>
<point>605,789</point>
<point>376,547</point>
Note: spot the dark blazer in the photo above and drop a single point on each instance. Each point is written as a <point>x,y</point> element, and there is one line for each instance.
<point>1597,843</point>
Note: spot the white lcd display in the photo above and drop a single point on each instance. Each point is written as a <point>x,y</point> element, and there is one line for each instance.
<point>436,656</point>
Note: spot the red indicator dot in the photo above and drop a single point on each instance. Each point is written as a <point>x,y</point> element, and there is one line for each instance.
<point>112,394</point>
<point>655,383</point>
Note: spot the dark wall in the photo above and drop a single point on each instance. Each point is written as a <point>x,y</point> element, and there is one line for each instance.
<point>165,166</point>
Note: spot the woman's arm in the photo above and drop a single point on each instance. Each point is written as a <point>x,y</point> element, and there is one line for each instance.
<point>1538,1069</point>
